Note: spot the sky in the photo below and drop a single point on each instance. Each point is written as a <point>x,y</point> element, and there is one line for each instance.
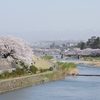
<point>35,20</point>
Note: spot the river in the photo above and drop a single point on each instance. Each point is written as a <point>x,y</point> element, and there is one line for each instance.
<point>70,88</point>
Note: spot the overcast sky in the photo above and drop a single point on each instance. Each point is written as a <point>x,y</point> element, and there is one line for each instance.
<point>50,19</point>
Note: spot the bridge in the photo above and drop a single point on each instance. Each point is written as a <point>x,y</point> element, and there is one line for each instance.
<point>71,55</point>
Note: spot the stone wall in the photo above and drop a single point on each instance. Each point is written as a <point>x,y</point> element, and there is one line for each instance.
<point>30,80</point>
<point>21,82</point>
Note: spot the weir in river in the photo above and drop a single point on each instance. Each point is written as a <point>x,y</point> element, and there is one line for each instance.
<point>87,75</point>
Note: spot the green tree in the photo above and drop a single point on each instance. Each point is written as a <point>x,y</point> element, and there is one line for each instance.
<point>96,43</point>
<point>83,46</point>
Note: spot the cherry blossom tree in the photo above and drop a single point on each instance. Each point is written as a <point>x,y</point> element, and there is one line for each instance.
<point>16,49</point>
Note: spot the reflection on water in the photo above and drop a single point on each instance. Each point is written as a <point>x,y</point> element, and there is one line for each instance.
<point>70,88</point>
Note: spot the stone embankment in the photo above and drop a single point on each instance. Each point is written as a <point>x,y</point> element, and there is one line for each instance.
<point>30,80</point>
<point>21,82</point>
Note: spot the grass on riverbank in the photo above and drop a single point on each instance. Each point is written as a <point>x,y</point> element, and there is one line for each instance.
<point>48,57</point>
<point>19,72</point>
<point>69,68</point>
<point>63,70</point>
<point>41,63</point>
<point>91,58</point>
<point>66,65</point>
<point>59,74</point>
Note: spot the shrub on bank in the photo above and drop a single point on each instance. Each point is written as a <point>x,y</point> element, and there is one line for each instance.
<point>1,77</point>
<point>5,74</point>
<point>51,69</point>
<point>15,73</point>
<point>33,69</point>
<point>46,69</point>
<point>41,70</point>
<point>20,71</point>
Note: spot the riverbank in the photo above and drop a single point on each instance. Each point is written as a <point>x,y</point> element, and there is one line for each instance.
<point>30,80</point>
<point>21,82</point>
<point>69,87</point>
<point>90,63</point>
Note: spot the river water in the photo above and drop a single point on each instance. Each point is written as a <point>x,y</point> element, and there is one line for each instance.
<point>70,88</point>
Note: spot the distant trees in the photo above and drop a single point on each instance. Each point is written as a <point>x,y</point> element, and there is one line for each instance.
<point>94,44</point>
<point>82,45</point>
<point>15,49</point>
